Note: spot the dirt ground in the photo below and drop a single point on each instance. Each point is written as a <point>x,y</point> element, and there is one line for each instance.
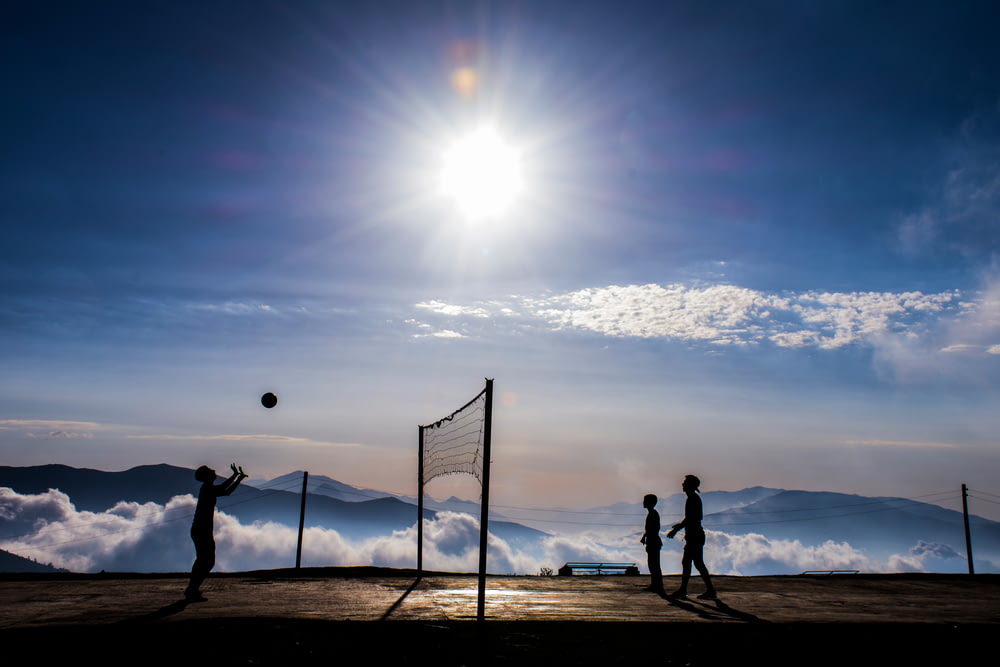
<point>377,617</point>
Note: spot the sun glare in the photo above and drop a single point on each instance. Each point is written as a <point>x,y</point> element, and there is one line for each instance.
<point>481,174</point>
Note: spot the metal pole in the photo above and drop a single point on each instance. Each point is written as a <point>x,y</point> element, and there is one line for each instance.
<point>485,508</point>
<point>968,534</point>
<point>302,519</point>
<point>420,503</point>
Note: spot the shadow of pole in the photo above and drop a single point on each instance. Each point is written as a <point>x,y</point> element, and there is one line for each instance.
<point>395,605</point>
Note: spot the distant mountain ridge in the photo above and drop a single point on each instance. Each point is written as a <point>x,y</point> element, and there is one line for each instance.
<point>327,486</point>
<point>13,563</point>
<point>813,517</point>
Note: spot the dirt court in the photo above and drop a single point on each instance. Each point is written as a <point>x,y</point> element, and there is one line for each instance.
<point>372,617</point>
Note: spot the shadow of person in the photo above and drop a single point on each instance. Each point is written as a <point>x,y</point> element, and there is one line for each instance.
<point>700,610</point>
<point>161,613</point>
<point>735,613</point>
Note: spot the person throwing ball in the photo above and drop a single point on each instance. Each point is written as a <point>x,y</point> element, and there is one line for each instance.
<point>203,527</point>
<point>694,541</point>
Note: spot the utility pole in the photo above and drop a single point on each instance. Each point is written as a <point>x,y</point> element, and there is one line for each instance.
<point>968,535</point>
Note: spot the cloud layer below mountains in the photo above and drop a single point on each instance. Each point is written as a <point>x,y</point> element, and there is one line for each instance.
<point>154,538</point>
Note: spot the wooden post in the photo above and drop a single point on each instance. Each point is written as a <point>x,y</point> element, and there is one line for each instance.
<point>968,534</point>
<point>302,519</point>
<point>485,507</point>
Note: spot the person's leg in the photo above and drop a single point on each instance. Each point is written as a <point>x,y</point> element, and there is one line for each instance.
<point>203,563</point>
<point>655,573</point>
<point>709,588</point>
<point>698,558</point>
<point>685,575</point>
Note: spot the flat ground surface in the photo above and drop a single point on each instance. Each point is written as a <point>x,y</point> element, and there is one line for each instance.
<point>370,616</point>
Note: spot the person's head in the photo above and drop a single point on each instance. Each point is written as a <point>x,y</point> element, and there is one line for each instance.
<point>649,500</point>
<point>690,483</point>
<point>204,474</point>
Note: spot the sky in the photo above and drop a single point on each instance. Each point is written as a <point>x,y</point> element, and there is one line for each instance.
<point>756,241</point>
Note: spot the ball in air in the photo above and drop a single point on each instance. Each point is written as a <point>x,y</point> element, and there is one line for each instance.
<point>269,400</point>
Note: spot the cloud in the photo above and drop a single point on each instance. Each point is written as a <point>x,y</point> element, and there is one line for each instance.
<point>235,308</point>
<point>927,556</point>
<point>51,429</point>
<point>147,537</point>
<point>49,529</point>
<point>756,554</point>
<point>154,538</point>
<point>65,435</point>
<point>960,344</point>
<point>46,424</point>
<point>962,215</point>
<point>243,437</point>
<point>725,314</point>
<point>903,443</point>
<point>450,309</point>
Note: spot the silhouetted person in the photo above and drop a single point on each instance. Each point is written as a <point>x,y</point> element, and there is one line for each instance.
<point>203,526</point>
<point>694,541</point>
<point>651,538</point>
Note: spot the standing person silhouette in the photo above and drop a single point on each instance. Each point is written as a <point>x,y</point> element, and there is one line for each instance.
<point>694,541</point>
<point>203,526</point>
<point>651,538</point>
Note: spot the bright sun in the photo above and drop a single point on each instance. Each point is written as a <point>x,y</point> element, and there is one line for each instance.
<point>481,174</point>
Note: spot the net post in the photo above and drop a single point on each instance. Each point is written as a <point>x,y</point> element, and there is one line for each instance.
<point>485,505</point>
<point>302,519</point>
<point>420,503</point>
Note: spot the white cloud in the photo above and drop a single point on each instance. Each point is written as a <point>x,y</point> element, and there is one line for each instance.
<point>235,308</point>
<point>756,554</point>
<point>903,443</point>
<point>244,437</point>
<point>926,556</point>
<point>149,537</point>
<point>450,309</point>
<point>728,314</point>
<point>51,429</point>
<point>959,344</point>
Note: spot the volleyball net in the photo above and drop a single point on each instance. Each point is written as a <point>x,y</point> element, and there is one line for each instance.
<point>459,444</point>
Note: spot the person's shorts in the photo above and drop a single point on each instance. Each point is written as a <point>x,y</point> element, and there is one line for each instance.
<point>694,540</point>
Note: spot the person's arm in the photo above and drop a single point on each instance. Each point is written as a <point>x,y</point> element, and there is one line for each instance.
<point>679,526</point>
<point>230,484</point>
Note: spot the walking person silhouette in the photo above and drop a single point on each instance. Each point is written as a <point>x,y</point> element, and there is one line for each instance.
<point>694,541</point>
<point>651,538</point>
<point>203,526</point>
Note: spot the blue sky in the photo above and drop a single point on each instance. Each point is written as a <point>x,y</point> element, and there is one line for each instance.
<point>755,240</point>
